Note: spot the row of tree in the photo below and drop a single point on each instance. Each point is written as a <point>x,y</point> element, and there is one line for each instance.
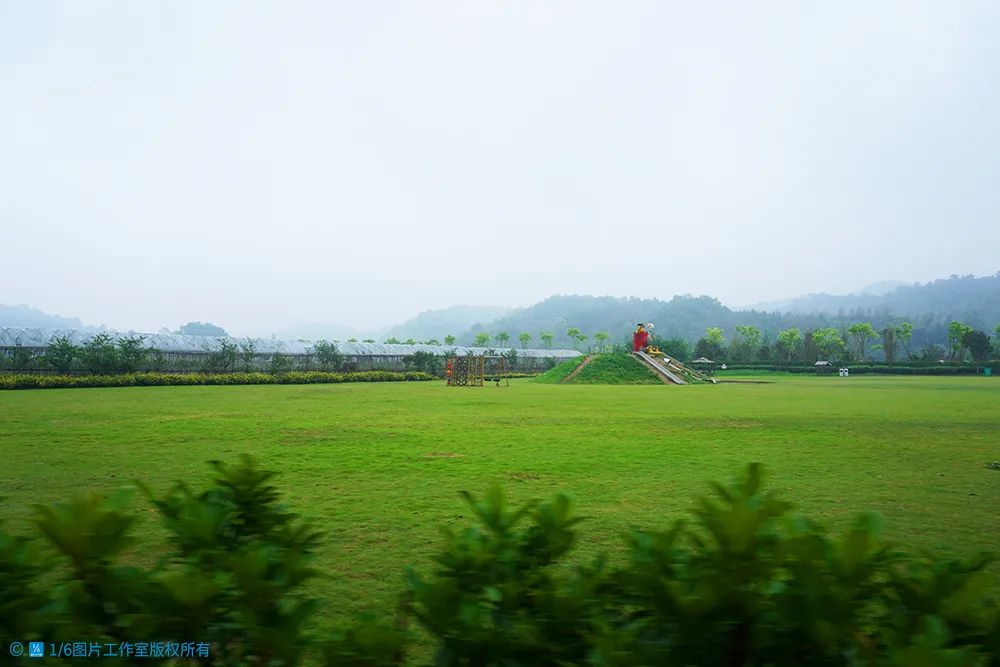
<point>502,339</point>
<point>857,342</point>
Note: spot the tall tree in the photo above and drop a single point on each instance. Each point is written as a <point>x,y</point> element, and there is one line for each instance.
<point>978,344</point>
<point>525,338</point>
<point>502,338</point>
<point>482,339</point>
<point>861,334</point>
<point>956,338</point>
<point>601,337</point>
<point>748,348</point>
<point>789,344</point>
<point>449,340</point>
<point>828,343</point>
<point>904,334</point>
<point>572,333</point>
<point>715,335</point>
<point>582,338</point>
<point>547,337</point>
<point>60,353</point>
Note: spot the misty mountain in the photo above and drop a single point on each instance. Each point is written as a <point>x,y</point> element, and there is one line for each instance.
<point>930,307</point>
<point>25,316</point>
<point>446,321</point>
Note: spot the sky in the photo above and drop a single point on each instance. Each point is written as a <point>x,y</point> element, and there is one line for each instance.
<point>260,164</point>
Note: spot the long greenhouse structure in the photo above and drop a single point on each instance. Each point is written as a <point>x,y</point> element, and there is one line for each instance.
<point>25,349</point>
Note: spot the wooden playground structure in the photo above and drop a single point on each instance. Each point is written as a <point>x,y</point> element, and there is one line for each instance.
<point>476,370</point>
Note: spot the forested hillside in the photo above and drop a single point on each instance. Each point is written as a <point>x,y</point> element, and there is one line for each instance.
<point>929,307</point>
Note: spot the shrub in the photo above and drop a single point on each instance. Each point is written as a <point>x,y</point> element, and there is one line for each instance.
<point>60,353</point>
<point>99,355</point>
<point>15,381</point>
<point>745,582</point>
<point>279,363</point>
<point>328,355</point>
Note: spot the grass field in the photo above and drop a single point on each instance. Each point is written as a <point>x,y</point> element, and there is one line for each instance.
<point>379,466</point>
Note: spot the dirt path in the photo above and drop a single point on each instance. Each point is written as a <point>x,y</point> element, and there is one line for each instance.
<point>576,371</point>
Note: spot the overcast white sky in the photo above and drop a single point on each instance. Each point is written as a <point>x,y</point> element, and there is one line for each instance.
<point>259,164</point>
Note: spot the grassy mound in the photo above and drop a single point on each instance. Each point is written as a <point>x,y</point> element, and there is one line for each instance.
<point>615,368</point>
<point>559,373</point>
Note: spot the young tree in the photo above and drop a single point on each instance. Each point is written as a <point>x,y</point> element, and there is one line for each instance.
<point>248,353</point>
<point>789,345</point>
<point>392,341</point>
<point>828,343</point>
<point>572,333</point>
<point>409,341</point>
<point>502,338</point>
<point>904,334</point>
<point>449,340</point>
<point>715,335</point>
<point>751,336</point>
<point>861,333</point>
<point>956,339</point>
<point>525,338</point>
<point>547,337</point>
<point>678,348</point>
<point>59,354</point>
<point>709,349</point>
<point>432,341</point>
<point>352,340</point>
<point>279,364</point>
<point>601,337</point>
<point>482,339</point>
<point>328,355</point>
<point>221,360</point>
<point>20,357</point>
<point>100,355</point>
<point>131,353</point>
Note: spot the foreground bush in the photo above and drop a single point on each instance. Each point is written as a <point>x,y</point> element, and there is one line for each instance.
<point>163,379</point>
<point>745,583</point>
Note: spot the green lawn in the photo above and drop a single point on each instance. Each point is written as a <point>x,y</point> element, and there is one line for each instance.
<point>379,466</point>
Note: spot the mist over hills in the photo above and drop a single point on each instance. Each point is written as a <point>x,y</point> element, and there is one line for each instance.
<point>446,321</point>
<point>929,306</point>
<point>23,315</point>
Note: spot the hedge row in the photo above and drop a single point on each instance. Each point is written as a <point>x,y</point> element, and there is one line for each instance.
<point>23,381</point>
<point>864,369</point>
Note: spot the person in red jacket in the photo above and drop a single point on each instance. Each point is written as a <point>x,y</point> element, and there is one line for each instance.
<point>640,339</point>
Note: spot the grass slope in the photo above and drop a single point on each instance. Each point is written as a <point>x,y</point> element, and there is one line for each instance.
<point>379,466</point>
<point>559,373</point>
<point>615,369</point>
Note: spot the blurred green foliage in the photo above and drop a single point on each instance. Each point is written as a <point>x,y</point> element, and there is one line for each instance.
<point>743,582</point>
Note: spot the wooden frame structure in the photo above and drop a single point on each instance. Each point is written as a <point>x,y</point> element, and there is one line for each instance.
<point>476,370</point>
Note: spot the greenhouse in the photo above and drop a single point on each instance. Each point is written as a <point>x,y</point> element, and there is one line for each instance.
<point>176,352</point>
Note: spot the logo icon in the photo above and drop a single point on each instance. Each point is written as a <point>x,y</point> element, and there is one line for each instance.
<point>16,649</point>
<point>36,649</point>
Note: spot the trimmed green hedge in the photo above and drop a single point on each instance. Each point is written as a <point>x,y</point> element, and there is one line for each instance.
<point>22,381</point>
<point>863,369</point>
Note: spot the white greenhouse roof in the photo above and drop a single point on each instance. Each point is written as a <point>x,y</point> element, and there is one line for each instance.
<point>39,338</point>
